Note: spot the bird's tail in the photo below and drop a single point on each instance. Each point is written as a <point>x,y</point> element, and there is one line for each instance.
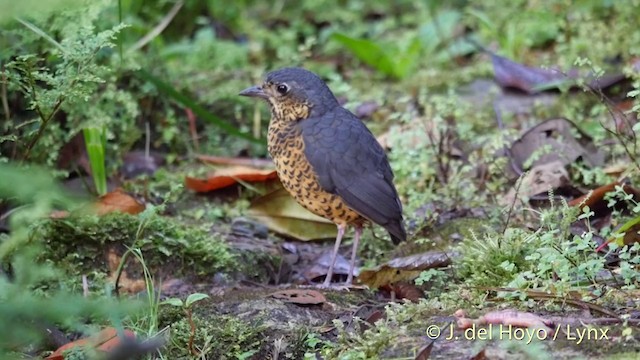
<point>396,231</point>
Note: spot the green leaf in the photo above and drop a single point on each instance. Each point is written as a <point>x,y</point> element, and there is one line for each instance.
<point>193,298</point>
<point>370,53</point>
<point>440,29</point>
<point>195,107</point>
<point>41,33</point>
<point>173,302</point>
<point>95,142</point>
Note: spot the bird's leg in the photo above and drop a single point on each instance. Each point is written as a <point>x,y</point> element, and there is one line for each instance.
<point>352,265</point>
<point>336,247</point>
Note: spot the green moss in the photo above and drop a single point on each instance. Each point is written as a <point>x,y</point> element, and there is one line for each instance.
<point>216,337</point>
<point>80,243</point>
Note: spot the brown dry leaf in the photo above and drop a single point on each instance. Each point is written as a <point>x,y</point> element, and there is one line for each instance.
<point>554,140</point>
<point>425,352</point>
<point>595,198</point>
<point>403,269</point>
<point>118,200</point>
<point>407,291</point>
<point>282,213</point>
<point>300,296</point>
<point>105,340</point>
<point>228,176</point>
<point>540,179</point>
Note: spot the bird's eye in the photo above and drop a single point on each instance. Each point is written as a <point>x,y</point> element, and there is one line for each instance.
<point>282,89</point>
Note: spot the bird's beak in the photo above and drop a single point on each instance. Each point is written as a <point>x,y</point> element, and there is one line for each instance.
<point>254,91</point>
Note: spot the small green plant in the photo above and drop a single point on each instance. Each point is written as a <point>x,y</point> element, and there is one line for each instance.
<point>95,141</point>
<point>399,62</point>
<point>187,307</point>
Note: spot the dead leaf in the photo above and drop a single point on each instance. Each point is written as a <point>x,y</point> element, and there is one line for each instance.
<point>282,213</point>
<point>506,317</point>
<point>300,296</point>
<point>403,269</point>
<point>532,80</point>
<point>321,266</point>
<point>540,179</point>
<point>554,140</point>
<point>511,74</point>
<point>228,176</point>
<point>118,200</point>
<point>425,352</point>
<point>407,291</point>
<point>596,202</point>
<point>481,355</point>
<point>105,340</point>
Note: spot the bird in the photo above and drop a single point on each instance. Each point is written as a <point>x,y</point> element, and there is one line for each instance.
<point>328,159</point>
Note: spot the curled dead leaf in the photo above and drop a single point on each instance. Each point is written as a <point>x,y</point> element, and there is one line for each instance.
<point>404,269</point>
<point>540,179</point>
<point>300,296</point>
<point>555,140</point>
<point>228,176</point>
<point>120,201</point>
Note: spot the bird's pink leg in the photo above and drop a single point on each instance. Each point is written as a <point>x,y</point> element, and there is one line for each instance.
<point>336,247</point>
<point>352,265</point>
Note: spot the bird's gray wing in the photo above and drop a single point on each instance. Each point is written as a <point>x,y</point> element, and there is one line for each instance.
<point>349,162</point>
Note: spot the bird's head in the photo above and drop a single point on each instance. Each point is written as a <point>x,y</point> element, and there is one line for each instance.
<point>294,94</point>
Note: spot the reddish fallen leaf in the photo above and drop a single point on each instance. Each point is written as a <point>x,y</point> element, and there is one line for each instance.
<point>300,296</point>
<point>118,200</point>
<point>105,340</point>
<point>595,198</point>
<point>407,291</point>
<point>505,317</point>
<point>228,176</point>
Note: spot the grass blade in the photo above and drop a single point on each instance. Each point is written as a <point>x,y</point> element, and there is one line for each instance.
<point>196,108</point>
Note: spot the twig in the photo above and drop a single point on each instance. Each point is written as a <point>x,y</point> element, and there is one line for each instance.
<point>43,126</point>
<point>3,95</point>
<point>193,129</point>
<point>158,29</point>
<point>192,335</point>
<point>85,286</point>
<point>513,205</point>
<point>147,140</point>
